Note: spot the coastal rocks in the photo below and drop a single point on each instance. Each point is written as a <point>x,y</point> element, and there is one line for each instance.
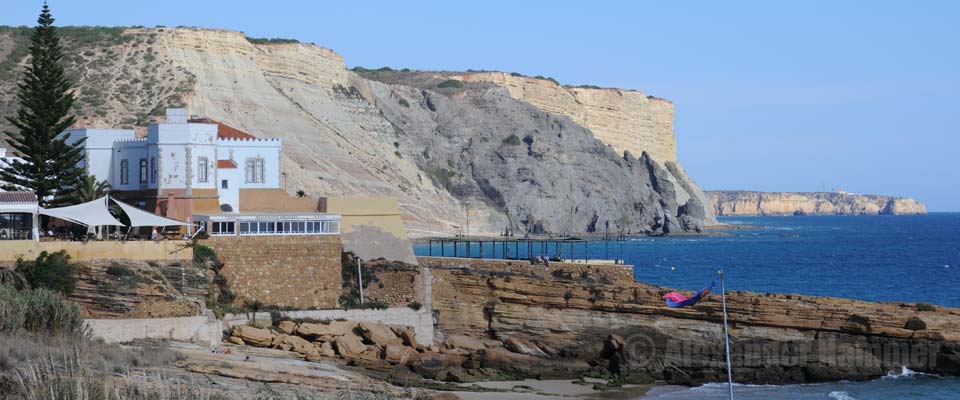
<point>522,346</point>
<point>379,334</point>
<point>464,342</point>
<point>254,336</point>
<point>328,330</point>
<point>817,203</point>
<point>623,327</point>
<point>350,345</point>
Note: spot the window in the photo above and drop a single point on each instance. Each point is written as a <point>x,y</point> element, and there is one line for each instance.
<point>153,170</point>
<point>124,172</point>
<point>16,226</point>
<point>143,170</point>
<point>224,184</point>
<point>222,228</point>
<point>202,173</point>
<point>254,170</point>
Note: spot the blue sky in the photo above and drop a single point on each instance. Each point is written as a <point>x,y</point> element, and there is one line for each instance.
<point>769,95</point>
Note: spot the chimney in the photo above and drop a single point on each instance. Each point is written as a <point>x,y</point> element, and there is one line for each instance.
<point>176,115</point>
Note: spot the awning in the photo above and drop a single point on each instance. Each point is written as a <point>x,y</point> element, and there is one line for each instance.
<point>139,217</point>
<point>93,213</point>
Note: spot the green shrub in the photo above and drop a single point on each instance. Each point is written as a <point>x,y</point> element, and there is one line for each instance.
<point>50,271</point>
<point>415,305</point>
<point>926,307</point>
<point>404,102</point>
<point>38,310</point>
<point>450,83</point>
<point>271,40</point>
<point>371,305</point>
<point>512,140</point>
<point>202,254</point>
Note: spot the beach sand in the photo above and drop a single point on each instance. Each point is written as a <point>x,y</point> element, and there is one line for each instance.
<point>531,389</point>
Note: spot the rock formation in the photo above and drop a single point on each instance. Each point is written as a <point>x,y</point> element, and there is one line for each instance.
<point>816,203</point>
<point>499,150</point>
<point>570,319</point>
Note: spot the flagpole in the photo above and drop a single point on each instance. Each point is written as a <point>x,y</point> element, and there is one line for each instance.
<point>726,334</point>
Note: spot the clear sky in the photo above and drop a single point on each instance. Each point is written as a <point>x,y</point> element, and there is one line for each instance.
<point>769,95</point>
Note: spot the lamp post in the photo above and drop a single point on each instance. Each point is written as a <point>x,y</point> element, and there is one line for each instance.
<point>360,279</point>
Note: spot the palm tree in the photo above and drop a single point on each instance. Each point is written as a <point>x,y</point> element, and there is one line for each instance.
<point>89,189</point>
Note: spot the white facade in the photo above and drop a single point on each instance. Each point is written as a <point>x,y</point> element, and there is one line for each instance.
<point>181,156</point>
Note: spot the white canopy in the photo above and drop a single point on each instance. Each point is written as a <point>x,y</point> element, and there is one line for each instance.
<point>139,217</point>
<point>93,213</point>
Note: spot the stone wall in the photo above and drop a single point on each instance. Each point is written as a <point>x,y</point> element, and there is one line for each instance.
<point>294,271</point>
<point>396,288</point>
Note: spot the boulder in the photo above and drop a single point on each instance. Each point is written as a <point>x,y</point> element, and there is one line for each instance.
<point>915,324</point>
<point>326,350</point>
<point>464,342</point>
<point>523,346</point>
<point>457,374</point>
<point>254,336</point>
<point>407,334</point>
<point>350,345</point>
<point>333,329</point>
<point>378,334</point>
<point>287,326</point>
<point>235,340</point>
<point>397,354</point>
<point>298,344</point>
<point>429,365</point>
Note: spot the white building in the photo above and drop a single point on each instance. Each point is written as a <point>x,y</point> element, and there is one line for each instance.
<point>182,166</point>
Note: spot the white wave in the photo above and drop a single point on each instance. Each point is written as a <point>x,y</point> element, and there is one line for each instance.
<point>841,395</point>
<point>907,373</point>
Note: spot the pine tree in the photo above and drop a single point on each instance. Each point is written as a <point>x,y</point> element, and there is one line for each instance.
<point>51,168</point>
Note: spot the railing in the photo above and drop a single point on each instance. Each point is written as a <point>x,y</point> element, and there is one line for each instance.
<point>16,234</point>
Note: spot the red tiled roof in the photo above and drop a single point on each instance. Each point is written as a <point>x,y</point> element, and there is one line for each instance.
<point>224,131</point>
<point>226,164</point>
<point>18,197</point>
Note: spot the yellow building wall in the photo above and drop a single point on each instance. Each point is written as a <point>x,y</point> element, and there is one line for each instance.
<point>10,250</point>
<point>371,227</point>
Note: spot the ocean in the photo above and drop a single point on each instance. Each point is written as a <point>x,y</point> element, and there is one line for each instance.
<point>875,258</point>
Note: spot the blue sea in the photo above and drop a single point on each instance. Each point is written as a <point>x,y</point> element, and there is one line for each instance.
<point>874,258</point>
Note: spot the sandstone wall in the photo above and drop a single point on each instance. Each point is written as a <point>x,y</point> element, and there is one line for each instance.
<point>815,203</point>
<point>624,119</point>
<point>123,289</point>
<point>295,271</point>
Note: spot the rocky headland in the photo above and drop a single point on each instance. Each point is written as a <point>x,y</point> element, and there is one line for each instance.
<point>737,202</point>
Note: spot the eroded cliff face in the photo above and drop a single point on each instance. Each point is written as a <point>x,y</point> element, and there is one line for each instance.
<point>817,203</point>
<point>481,152</point>
<point>568,313</point>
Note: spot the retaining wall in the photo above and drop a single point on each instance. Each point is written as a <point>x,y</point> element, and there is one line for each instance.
<point>143,250</point>
<point>201,329</point>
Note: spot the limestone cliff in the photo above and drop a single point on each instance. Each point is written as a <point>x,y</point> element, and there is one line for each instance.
<point>479,152</point>
<point>815,203</point>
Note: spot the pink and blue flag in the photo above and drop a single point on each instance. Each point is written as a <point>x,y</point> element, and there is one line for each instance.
<point>677,300</point>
